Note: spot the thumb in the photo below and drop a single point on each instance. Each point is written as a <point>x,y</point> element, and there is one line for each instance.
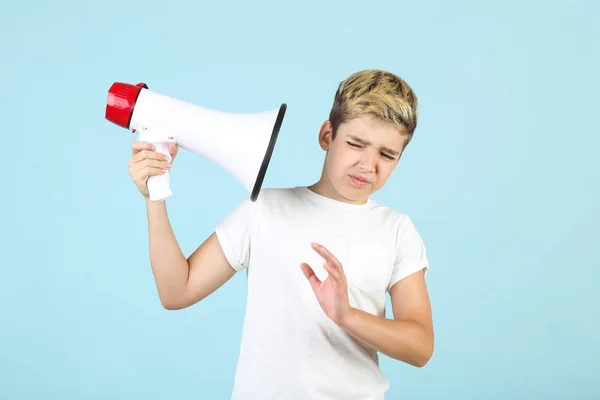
<point>173,149</point>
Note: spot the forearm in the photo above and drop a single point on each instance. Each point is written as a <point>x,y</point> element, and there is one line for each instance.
<point>169,265</point>
<point>407,341</point>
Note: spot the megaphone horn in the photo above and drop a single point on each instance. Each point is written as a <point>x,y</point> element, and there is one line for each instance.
<point>242,144</point>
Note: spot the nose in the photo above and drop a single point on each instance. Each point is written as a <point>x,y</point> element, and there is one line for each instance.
<point>367,162</point>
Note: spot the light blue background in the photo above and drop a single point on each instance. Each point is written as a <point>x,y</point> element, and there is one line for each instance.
<point>501,179</point>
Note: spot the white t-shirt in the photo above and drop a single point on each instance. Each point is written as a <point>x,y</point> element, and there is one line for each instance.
<point>290,350</point>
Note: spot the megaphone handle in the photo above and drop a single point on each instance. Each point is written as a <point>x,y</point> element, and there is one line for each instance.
<point>159,186</point>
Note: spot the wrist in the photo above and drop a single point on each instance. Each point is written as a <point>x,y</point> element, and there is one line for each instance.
<point>349,319</point>
<point>153,204</point>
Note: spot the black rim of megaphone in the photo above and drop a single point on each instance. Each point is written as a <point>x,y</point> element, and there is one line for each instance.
<point>265,164</point>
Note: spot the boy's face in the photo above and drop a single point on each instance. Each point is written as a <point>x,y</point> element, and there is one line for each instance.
<point>360,159</point>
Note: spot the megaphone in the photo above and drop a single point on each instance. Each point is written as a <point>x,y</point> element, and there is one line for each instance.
<point>241,143</point>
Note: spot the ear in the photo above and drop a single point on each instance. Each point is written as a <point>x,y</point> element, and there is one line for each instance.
<point>325,135</point>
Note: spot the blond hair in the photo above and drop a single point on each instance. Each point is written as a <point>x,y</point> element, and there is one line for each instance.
<point>379,94</point>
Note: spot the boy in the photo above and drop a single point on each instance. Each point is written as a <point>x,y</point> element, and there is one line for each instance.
<point>320,259</point>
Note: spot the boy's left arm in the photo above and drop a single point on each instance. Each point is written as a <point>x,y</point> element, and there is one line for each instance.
<point>407,337</point>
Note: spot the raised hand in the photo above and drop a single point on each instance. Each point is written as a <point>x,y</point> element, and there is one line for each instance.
<point>146,162</point>
<point>331,293</point>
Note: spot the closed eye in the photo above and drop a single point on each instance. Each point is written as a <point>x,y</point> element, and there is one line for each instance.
<point>358,146</point>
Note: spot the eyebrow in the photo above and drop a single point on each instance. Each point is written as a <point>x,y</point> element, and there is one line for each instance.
<point>367,143</point>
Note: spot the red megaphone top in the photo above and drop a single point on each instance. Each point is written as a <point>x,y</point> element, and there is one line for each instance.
<point>121,102</point>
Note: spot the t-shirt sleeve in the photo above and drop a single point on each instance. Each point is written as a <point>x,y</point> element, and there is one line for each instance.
<point>411,254</point>
<point>235,233</point>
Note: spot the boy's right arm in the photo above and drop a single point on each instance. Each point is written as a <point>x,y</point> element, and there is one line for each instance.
<point>180,282</point>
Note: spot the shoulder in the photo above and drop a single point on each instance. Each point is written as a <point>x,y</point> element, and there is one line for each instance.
<point>410,252</point>
<point>267,195</point>
<point>396,219</point>
<point>397,225</point>
<point>271,199</point>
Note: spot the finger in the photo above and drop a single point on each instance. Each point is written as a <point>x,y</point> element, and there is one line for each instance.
<point>150,163</point>
<point>173,149</point>
<point>142,165</point>
<point>332,265</point>
<point>140,145</point>
<point>309,273</point>
<point>148,154</point>
<point>146,172</point>
<point>332,271</point>
<point>326,254</point>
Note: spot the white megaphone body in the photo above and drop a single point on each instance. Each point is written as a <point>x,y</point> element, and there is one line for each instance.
<point>242,144</point>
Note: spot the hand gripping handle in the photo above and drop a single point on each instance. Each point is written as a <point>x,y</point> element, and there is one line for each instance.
<point>159,186</point>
